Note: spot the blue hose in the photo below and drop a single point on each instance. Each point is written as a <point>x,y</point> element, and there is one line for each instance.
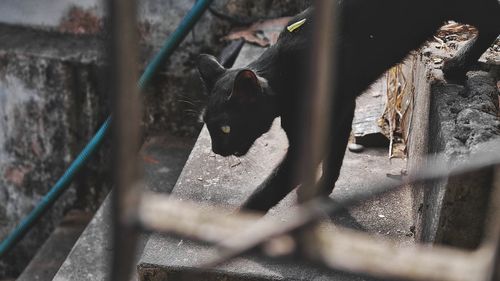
<point>63,183</point>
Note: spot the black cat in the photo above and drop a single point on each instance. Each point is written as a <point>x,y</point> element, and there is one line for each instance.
<point>373,36</point>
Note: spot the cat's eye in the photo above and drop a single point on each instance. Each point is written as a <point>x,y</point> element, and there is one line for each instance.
<point>226,129</point>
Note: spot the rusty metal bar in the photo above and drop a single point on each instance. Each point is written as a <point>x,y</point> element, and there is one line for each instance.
<point>318,105</point>
<point>358,252</point>
<point>194,220</point>
<point>342,249</point>
<point>318,111</point>
<point>123,53</point>
<point>491,245</point>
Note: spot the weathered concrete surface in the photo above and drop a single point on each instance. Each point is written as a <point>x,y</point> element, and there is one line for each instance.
<point>418,136</point>
<point>48,13</point>
<point>224,181</point>
<point>163,159</point>
<point>51,101</point>
<point>53,253</point>
<point>453,119</point>
<point>228,181</point>
<point>462,118</point>
<point>88,260</point>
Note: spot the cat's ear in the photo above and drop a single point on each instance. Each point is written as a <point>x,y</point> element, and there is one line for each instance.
<point>247,87</point>
<point>210,69</point>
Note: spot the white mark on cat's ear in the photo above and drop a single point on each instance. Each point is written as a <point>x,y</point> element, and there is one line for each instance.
<point>263,82</point>
<point>226,129</point>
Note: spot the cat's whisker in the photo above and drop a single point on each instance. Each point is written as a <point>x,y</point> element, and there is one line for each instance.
<point>193,111</point>
<point>188,102</point>
<point>189,98</point>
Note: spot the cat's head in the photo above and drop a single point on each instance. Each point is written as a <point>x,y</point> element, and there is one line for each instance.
<point>240,106</point>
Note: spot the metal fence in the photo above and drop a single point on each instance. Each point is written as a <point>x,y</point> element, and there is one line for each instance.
<point>300,237</point>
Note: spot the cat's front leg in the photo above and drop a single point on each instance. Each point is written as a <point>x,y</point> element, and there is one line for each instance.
<point>336,147</point>
<point>276,186</point>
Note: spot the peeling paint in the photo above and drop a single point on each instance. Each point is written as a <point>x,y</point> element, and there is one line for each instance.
<point>81,21</point>
<point>14,95</point>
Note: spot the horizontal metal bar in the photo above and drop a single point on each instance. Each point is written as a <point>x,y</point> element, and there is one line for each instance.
<point>190,219</point>
<point>358,252</point>
<point>339,248</point>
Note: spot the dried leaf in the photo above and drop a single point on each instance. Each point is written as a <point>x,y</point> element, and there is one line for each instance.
<point>262,33</point>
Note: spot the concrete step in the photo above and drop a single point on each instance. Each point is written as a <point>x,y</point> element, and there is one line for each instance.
<point>228,181</point>
<point>163,159</point>
<point>54,251</point>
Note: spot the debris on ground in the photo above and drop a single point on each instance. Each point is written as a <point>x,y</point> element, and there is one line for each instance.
<point>356,148</point>
<point>397,113</point>
<point>370,106</point>
<point>452,37</point>
<point>453,32</point>
<point>445,43</point>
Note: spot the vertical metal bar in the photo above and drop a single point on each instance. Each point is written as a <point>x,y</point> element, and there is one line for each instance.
<point>316,129</point>
<point>496,262</point>
<point>123,53</point>
<point>317,112</point>
<point>492,240</point>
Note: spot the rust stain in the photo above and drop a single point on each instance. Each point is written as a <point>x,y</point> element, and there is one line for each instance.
<point>150,159</point>
<point>36,148</point>
<point>80,21</point>
<point>16,175</point>
<point>145,29</point>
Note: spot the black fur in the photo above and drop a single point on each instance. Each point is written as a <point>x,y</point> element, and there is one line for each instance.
<point>374,35</point>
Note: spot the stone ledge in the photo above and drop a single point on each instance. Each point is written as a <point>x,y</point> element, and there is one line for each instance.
<point>452,119</point>
<point>163,159</point>
<point>50,45</point>
<point>461,119</point>
<point>52,254</point>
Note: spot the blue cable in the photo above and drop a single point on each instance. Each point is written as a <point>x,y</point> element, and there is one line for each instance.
<point>63,183</point>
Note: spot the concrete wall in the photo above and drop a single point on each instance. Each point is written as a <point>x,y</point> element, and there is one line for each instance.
<point>51,102</point>
<point>48,13</point>
<point>462,118</point>
<point>53,96</point>
<point>453,120</point>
